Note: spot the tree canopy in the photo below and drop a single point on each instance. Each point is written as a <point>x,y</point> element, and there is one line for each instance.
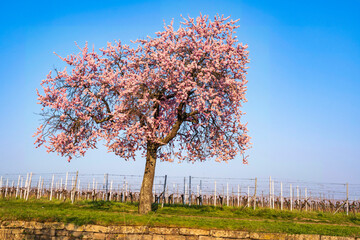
<point>182,91</point>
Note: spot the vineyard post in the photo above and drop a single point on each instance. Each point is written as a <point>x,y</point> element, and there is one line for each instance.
<point>162,205</point>
<point>227,194</point>
<point>28,187</point>
<point>238,196</point>
<point>61,188</point>
<point>297,194</point>
<point>52,185</point>
<point>197,194</point>
<point>103,188</point>
<point>175,193</point>
<point>273,195</point>
<point>38,188</point>
<point>215,195</point>
<point>129,188</point>
<point>72,184</point>
<point>248,197</point>
<point>66,179</point>
<point>21,184</point>
<point>93,191</point>
<point>107,187</point>
<point>167,192</point>
<point>186,194</point>
<point>294,197</point>
<point>57,190</point>
<point>184,200</point>
<point>232,197</point>
<point>123,189</point>
<point>6,187</point>
<point>201,198</point>
<point>12,187</point>
<point>270,192</point>
<point>17,187</point>
<point>41,180</point>
<point>25,187</point>
<point>88,191</point>
<point>97,189</point>
<point>255,193</point>
<point>111,186</point>
<point>78,190</point>
<point>126,188</point>
<point>74,187</point>
<point>190,191</point>
<point>223,194</point>
<point>41,189</point>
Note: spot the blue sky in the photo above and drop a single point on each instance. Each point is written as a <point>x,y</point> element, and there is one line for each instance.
<point>303,107</point>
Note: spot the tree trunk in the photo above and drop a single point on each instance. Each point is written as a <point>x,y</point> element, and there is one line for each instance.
<point>146,197</point>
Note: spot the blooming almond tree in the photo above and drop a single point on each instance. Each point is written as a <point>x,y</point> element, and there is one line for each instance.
<point>175,96</point>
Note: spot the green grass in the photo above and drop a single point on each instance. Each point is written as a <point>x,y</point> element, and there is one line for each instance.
<point>205,217</point>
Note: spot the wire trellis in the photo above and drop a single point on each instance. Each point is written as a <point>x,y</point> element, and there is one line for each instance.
<point>235,192</point>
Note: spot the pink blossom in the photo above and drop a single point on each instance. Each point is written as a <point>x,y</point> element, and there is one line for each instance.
<point>181,90</point>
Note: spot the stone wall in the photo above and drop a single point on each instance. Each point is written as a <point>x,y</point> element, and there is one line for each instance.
<point>12,230</point>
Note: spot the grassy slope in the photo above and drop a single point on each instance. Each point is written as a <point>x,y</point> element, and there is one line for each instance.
<point>206,217</point>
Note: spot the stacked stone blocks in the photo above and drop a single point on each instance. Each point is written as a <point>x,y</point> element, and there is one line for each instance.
<point>16,230</point>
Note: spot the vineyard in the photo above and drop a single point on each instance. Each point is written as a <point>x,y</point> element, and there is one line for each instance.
<point>235,192</point>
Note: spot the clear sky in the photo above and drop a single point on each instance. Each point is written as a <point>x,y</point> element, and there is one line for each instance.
<point>303,107</point>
